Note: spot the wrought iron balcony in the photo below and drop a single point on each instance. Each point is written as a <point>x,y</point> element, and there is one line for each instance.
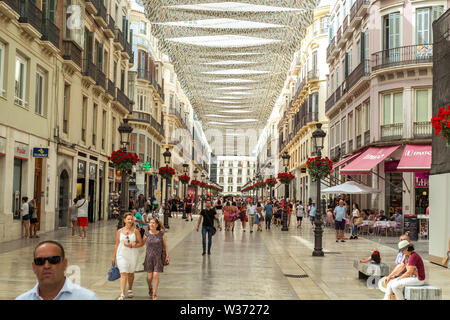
<point>100,78</point>
<point>357,11</point>
<point>330,102</point>
<point>392,131</point>
<point>331,47</point>
<point>339,35</point>
<point>122,99</point>
<point>313,75</point>
<point>111,89</point>
<point>118,38</point>
<point>109,30</point>
<point>346,31</point>
<point>423,129</point>
<point>50,32</point>
<point>101,12</point>
<point>30,14</point>
<point>13,4</point>
<point>362,70</point>
<point>89,69</point>
<point>73,52</point>
<point>403,56</point>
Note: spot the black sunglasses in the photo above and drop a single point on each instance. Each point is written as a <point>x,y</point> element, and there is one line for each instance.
<point>51,260</point>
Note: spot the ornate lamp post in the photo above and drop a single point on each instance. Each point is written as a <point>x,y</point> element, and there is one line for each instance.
<point>203,188</point>
<point>196,188</point>
<point>185,171</point>
<point>166,156</point>
<point>285,158</point>
<point>318,138</point>
<point>124,130</point>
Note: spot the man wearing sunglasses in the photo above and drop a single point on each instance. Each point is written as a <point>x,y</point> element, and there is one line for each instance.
<point>49,266</point>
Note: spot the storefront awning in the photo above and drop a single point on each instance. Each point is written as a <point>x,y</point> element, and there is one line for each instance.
<point>368,160</point>
<point>340,163</point>
<point>415,158</point>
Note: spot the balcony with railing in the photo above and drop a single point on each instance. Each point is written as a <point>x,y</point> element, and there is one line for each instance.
<point>366,137</point>
<point>122,99</point>
<point>10,8</point>
<point>100,78</point>
<point>313,75</point>
<point>109,30</point>
<point>330,49</point>
<point>111,89</point>
<point>89,69</point>
<point>362,70</point>
<point>118,39</point>
<point>31,15</point>
<point>401,56</point>
<point>423,129</point>
<point>330,102</point>
<point>340,40</point>
<point>101,15</point>
<point>358,11</point>
<point>50,32</point>
<point>392,131</point>
<point>72,52</point>
<point>346,30</point>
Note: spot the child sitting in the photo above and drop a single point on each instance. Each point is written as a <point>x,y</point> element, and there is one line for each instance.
<point>374,258</point>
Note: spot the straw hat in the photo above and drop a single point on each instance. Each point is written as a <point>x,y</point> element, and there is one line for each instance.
<point>382,285</point>
<point>402,245</point>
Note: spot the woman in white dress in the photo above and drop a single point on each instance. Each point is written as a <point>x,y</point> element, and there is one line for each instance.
<point>126,254</point>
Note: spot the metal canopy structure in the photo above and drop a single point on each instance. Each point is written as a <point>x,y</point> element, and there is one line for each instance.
<point>231,54</point>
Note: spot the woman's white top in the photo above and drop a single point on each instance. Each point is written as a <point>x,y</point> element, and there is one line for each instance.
<point>355,213</point>
<point>82,208</point>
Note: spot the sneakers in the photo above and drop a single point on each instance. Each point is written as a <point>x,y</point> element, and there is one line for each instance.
<point>342,240</point>
<point>203,253</point>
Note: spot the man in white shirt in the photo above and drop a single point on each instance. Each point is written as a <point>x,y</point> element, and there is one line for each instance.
<point>300,211</point>
<point>82,210</point>
<point>251,213</point>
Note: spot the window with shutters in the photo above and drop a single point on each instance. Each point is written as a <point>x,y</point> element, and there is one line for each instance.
<point>392,108</point>
<point>20,81</point>
<point>103,128</point>
<point>141,148</point>
<point>66,108</point>
<point>84,119</point>
<point>423,105</point>
<point>324,25</point>
<point>41,77</point>
<point>391,32</point>
<point>2,64</point>
<point>94,125</point>
<point>133,141</point>
<point>424,21</point>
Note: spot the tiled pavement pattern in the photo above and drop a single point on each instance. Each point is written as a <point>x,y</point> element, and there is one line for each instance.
<point>261,265</point>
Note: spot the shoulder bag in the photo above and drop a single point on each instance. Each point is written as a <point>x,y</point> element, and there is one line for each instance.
<point>113,273</point>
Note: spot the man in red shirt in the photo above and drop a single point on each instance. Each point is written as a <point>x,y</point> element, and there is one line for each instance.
<point>414,275</point>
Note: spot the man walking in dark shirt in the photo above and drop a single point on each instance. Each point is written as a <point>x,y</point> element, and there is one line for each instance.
<point>208,215</point>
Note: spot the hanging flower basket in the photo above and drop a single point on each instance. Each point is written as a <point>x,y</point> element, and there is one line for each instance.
<point>442,123</point>
<point>123,161</point>
<point>285,177</point>
<point>166,172</point>
<point>184,178</point>
<point>195,183</point>
<point>271,182</point>
<point>319,168</point>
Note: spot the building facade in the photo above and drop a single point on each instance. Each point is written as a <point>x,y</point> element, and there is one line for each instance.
<point>234,172</point>
<point>379,96</point>
<point>304,105</point>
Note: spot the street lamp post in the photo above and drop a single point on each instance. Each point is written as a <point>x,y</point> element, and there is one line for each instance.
<point>318,138</point>
<point>185,169</point>
<point>285,158</point>
<point>167,156</point>
<point>270,189</point>
<point>203,188</point>
<point>124,130</point>
<point>196,189</point>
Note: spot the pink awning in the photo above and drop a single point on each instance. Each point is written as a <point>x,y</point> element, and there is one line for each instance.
<point>368,160</point>
<point>340,163</point>
<point>415,158</point>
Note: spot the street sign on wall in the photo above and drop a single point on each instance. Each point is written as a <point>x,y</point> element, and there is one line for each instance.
<point>40,152</point>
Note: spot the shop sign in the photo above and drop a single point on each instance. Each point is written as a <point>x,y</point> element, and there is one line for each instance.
<point>421,179</point>
<point>40,152</point>
<point>2,146</point>
<point>81,169</point>
<point>92,171</point>
<point>21,151</point>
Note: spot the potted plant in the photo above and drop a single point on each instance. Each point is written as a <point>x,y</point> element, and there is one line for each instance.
<point>285,177</point>
<point>319,168</point>
<point>123,161</point>
<point>441,123</point>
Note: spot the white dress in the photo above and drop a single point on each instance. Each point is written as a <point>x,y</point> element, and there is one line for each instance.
<point>127,258</point>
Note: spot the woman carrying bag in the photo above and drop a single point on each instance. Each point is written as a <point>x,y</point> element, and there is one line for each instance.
<point>357,220</point>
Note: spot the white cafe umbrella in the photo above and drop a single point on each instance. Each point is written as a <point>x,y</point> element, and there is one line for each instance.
<point>351,187</point>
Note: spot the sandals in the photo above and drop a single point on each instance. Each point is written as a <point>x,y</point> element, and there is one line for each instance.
<point>150,292</point>
<point>154,297</point>
<point>122,297</point>
<point>130,294</point>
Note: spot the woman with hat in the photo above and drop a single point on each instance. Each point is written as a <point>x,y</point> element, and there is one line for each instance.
<point>414,275</point>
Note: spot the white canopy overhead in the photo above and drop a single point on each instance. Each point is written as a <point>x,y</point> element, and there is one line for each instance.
<point>218,45</point>
<point>350,187</point>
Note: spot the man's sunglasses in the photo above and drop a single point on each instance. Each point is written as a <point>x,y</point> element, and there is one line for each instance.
<point>51,260</point>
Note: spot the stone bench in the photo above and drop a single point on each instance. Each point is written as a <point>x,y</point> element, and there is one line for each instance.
<point>425,292</point>
<point>368,269</point>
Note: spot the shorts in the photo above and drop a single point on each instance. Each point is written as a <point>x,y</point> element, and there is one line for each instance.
<point>339,225</point>
<point>82,221</point>
<point>188,209</point>
<point>299,218</point>
<point>33,220</point>
<point>312,218</point>
<point>278,216</point>
<point>26,217</point>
